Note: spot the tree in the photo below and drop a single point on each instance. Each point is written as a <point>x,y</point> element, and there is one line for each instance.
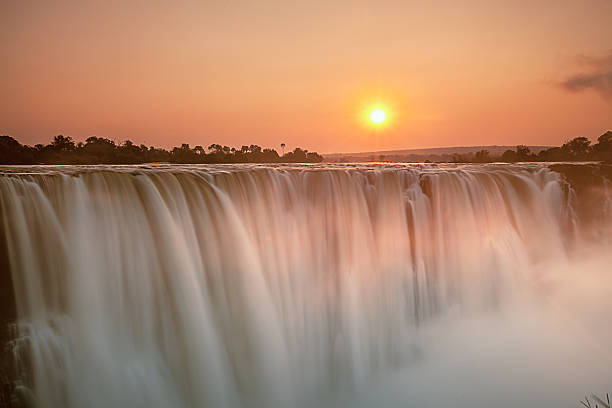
<point>62,143</point>
<point>523,153</point>
<point>552,154</point>
<point>313,157</point>
<point>215,148</point>
<point>602,150</point>
<point>482,156</point>
<point>99,150</point>
<point>128,152</point>
<point>12,152</point>
<point>577,148</point>
<point>509,156</point>
<point>270,156</point>
<point>605,140</point>
<point>296,156</point>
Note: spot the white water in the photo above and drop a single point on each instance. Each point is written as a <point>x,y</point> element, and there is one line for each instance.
<point>250,286</point>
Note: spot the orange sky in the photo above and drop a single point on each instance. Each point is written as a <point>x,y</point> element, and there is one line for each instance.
<point>163,73</point>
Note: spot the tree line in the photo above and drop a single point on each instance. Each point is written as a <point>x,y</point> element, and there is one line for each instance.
<point>99,150</point>
<point>577,149</point>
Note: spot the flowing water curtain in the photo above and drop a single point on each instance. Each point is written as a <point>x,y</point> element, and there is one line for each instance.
<point>259,287</point>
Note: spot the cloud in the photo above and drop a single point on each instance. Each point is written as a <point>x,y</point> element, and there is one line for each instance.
<point>596,76</point>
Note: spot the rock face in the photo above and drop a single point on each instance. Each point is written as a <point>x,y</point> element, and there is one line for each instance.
<point>592,187</point>
<point>583,176</point>
<point>8,331</point>
<point>14,369</point>
<point>8,311</point>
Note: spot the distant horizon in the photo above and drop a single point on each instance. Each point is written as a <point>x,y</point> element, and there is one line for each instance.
<point>99,150</point>
<point>289,147</point>
<point>432,148</point>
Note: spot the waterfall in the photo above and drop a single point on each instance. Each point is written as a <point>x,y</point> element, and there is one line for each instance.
<point>259,286</point>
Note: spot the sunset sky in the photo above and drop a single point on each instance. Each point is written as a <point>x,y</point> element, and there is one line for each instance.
<point>448,73</point>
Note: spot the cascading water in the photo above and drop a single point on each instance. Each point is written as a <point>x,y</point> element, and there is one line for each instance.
<point>255,286</point>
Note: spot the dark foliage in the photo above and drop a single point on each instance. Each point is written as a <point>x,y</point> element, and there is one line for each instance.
<point>577,149</point>
<point>98,150</point>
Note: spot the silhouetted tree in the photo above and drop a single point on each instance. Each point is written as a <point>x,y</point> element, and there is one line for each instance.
<point>12,152</point>
<point>552,154</point>
<point>509,156</point>
<point>577,148</point>
<point>270,156</point>
<point>482,156</point>
<point>602,150</point>
<point>523,153</point>
<point>215,148</point>
<point>98,150</point>
<point>313,157</point>
<point>62,143</point>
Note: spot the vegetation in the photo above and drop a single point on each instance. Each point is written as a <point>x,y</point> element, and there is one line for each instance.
<point>577,149</point>
<point>587,403</point>
<point>98,150</point>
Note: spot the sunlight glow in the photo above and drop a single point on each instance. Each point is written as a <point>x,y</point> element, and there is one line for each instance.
<point>378,116</point>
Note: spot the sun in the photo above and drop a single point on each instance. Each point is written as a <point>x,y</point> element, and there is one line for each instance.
<point>378,116</point>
